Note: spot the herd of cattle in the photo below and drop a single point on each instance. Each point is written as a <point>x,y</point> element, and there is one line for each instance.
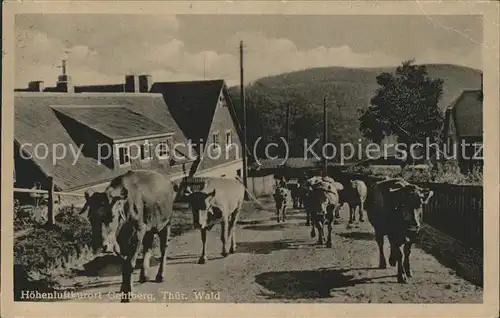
<point>138,205</point>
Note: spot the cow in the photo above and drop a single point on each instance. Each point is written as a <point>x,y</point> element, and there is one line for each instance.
<point>125,217</point>
<point>309,185</point>
<point>219,201</point>
<point>296,192</point>
<point>394,209</point>
<point>324,203</point>
<point>281,196</point>
<point>354,194</point>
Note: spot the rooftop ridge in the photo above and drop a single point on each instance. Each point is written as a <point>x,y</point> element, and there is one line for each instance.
<point>85,94</point>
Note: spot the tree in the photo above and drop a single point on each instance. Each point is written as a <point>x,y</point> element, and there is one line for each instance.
<point>406,105</point>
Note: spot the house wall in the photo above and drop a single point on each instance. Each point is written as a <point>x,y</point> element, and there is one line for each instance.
<point>227,170</point>
<point>223,122</point>
<point>163,165</point>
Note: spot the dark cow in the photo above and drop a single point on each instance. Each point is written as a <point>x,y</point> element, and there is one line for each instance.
<point>394,208</point>
<point>323,202</point>
<point>125,217</point>
<point>281,196</point>
<point>219,201</point>
<point>297,193</point>
<point>354,194</point>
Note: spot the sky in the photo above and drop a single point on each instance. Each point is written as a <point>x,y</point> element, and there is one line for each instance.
<point>103,48</point>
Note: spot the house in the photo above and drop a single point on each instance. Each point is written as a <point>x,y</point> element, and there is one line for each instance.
<point>205,113</point>
<point>84,140</point>
<point>463,129</point>
<point>183,120</point>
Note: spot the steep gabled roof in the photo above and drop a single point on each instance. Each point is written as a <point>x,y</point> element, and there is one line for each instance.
<point>36,123</point>
<point>467,114</point>
<point>114,122</point>
<point>192,104</point>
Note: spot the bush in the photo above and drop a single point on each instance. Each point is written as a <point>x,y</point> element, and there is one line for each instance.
<point>46,248</point>
<point>28,216</point>
<point>448,172</point>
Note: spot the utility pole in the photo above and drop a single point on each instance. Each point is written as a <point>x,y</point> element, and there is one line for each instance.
<point>325,138</point>
<point>243,104</point>
<point>287,133</point>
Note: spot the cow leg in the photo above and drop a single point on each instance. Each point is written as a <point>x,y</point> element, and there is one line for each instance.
<point>361,211</point>
<point>203,257</point>
<point>351,214</point>
<point>319,225</point>
<point>308,219</point>
<point>337,215</point>
<point>278,214</point>
<point>330,229</point>
<point>126,286</point>
<point>285,217</point>
<point>313,226</point>
<point>232,230</point>
<point>393,255</point>
<point>164,236</point>
<point>406,259</point>
<point>402,277</point>
<point>147,246</point>
<point>141,232</point>
<point>223,237</point>
<point>380,242</point>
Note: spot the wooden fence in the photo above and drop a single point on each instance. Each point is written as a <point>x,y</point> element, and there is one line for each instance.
<point>261,185</point>
<point>456,210</point>
<point>51,195</point>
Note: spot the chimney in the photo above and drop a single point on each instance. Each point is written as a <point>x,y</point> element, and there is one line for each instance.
<point>64,82</point>
<point>36,86</point>
<point>132,84</point>
<point>145,83</point>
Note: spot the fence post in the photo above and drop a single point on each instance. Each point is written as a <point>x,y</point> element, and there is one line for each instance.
<point>50,203</point>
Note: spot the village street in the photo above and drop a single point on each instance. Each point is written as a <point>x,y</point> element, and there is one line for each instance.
<point>280,263</point>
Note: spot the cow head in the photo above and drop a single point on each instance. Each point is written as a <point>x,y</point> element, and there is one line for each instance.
<point>105,211</point>
<point>410,203</point>
<point>202,206</point>
<point>321,196</point>
<point>281,195</point>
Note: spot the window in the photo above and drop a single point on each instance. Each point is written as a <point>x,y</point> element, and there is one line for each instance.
<point>215,138</point>
<point>162,150</point>
<point>222,101</point>
<point>146,151</point>
<point>124,155</point>
<point>165,148</point>
<point>229,137</point>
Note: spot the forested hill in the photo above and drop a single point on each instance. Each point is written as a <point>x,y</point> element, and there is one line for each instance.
<point>347,90</point>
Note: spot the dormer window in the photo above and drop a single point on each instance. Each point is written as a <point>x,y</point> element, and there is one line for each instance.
<point>124,155</point>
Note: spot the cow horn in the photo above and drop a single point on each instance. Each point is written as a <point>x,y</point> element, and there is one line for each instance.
<point>402,185</point>
<point>188,191</point>
<point>88,194</point>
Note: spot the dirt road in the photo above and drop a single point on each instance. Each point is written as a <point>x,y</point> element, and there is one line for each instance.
<point>280,263</point>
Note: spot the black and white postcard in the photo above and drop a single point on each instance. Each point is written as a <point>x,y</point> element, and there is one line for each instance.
<point>249,159</point>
